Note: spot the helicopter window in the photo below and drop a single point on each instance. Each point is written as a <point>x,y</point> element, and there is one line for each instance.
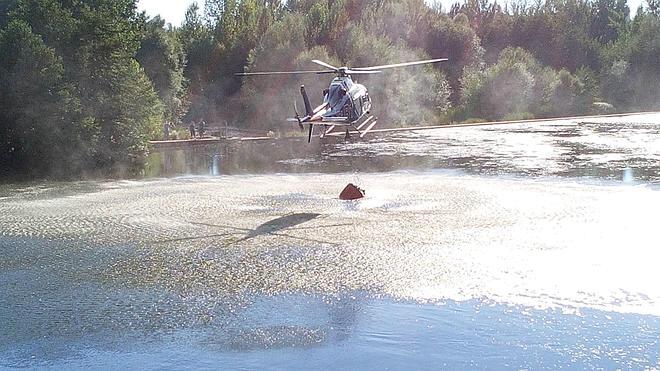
<point>348,83</point>
<point>335,94</point>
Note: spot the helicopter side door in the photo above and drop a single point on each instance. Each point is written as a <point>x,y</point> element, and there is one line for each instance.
<point>360,100</point>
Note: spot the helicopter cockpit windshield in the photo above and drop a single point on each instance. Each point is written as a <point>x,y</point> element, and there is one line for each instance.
<point>337,96</point>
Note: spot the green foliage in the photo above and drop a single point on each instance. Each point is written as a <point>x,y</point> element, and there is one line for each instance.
<point>198,45</point>
<point>405,21</point>
<point>130,115</point>
<point>459,43</point>
<point>518,86</point>
<point>235,28</point>
<point>75,100</point>
<point>42,129</point>
<point>6,6</point>
<point>610,19</point>
<point>266,101</point>
<point>559,66</point>
<point>509,87</point>
<point>162,58</point>
<point>631,75</point>
<point>324,23</point>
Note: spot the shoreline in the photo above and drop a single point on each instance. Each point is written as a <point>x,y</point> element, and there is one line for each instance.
<point>176,143</point>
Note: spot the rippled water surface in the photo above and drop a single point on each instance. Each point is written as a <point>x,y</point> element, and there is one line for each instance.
<point>517,246</point>
<point>601,148</point>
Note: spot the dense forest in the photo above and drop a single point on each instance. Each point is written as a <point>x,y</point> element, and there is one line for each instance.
<point>84,84</point>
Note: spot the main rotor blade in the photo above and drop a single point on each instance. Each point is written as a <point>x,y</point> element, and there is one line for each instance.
<point>354,72</point>
<point>325,64</point>
<point>281,73</point>
<point>372,68</point>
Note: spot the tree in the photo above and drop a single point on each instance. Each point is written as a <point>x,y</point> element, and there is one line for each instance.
<point>517,86</point>
<point>110,107</point>
<point>163,60</point>
<point>610,19</point>
<point>130,114</point>
<point>236,28</point>
<point>198,46</point>
<point>266,100</point>
<point>456,41</point>
<point>43,131</point>
<point>631,77</point>
<point>6,7</point>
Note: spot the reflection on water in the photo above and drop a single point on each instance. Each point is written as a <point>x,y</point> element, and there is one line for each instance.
<point>316,332</point>
<point>432,269</point>
<point>601,148</point>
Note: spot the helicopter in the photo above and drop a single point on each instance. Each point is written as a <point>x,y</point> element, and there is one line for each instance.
<point>345,102</point>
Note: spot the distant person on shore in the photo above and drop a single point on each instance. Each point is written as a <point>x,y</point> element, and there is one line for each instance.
<point>192,130</point>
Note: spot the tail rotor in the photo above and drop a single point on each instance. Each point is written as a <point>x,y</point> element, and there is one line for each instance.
<point>295,108</point>
<point>300,125</point>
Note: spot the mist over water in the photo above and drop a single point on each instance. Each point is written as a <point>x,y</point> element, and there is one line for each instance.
<point>519,246</point>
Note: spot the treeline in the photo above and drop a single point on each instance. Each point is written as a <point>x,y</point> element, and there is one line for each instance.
<point>73,96</point>
<point>85,83</point>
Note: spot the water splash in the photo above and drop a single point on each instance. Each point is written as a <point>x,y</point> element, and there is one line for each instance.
<point>628,176</point>
<point>215,165</point>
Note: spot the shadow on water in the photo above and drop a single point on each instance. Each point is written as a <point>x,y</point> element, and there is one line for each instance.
<point>281,223</point>
<point>274,227</point>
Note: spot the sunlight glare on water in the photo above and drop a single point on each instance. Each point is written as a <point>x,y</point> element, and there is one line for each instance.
<point>500,252</point>
<point>417,235</point>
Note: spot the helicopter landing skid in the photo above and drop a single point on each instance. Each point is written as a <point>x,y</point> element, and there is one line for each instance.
<point>367,124</point>
<point>361,126</point>
<point>326,131</point>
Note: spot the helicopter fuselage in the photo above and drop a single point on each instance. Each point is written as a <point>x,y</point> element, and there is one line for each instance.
<point>345,104</point>
<point>346,98</point>
<point>344,101</point>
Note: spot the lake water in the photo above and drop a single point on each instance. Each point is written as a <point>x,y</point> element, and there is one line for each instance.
<point>515,246</point>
